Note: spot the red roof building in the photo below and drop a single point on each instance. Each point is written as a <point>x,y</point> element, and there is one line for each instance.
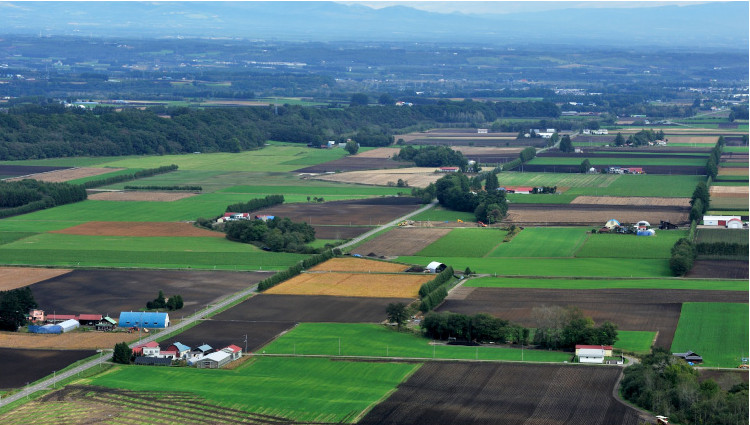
<point>234,351</point>
<point>606,348</point>
<point>60,317</point>
<point>146,349</point>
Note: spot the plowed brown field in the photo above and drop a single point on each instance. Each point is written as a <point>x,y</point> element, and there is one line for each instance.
<point>353,264</point>
<point>353,285</point>
<point>140,196</point>
<point>414,176</point>
<point>733,171</point>
<point>576,214</point>
<point>631,200</point>
<point>378,153</point>
<point>69,174</point>
<point>71,340</point>
<point>138,229</point>
<point>401,241</point>
<point>18,277</point>
<point>729,191</point>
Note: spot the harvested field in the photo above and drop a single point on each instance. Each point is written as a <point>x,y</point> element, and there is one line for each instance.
<point>354,163</point>
<point>18,277</point>
<point>591,215</point>
<point>66,341</point>
<point>361,212</point>
<point>113,291</point>
<point>719,269</point>
<point>221,333</point>
<point>26,170</point>
<point>23,366</point>
<point>689,170</point>
<point>413,176</point>
<point>728,191</point>
<point>69,174</point>
<point>339,284</point>
<point>401,241</point>
<point>379,153</point>
<point>138,229</point>
<point>631,309</point>
<point>631,200</point>
<point>310,308</point>
<point>506,393</point>
<point>694,139</point>
<point>339,232</point>
<point>353,265</point>
<point>140,196</point>
<point>733,171</point>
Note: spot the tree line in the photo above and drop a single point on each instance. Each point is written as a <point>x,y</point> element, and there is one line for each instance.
<point>148,172</point>
<point>279,234</point>
<point>433,293</point>
<point>477,328</point>
<point>21,197</point>
<point>432,156</point>
<point>190,188</point>
<point>296,269</point>
<point>256,204</point>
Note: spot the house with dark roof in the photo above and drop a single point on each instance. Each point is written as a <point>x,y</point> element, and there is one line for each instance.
<point>689,356</point>
<point>153,361</point>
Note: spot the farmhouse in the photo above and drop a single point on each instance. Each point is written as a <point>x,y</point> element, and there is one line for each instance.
<point>106,324</point>
<point>182,351</point>
<point>89,319</point>
<point>689,356</point>
<point>482,131</point>
<point>590,355</point>
<point>201,351</point>
<point>721,220</point>
<point>143,319</point>
<point>147,349</point>
<point>234,351</point>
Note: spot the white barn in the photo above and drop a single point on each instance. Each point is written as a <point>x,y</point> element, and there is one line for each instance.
<point>719,220</point>
<point>69,325</point>
<point>590,355</point>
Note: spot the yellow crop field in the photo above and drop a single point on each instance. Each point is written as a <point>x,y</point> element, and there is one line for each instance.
<point>353,285</point>
<point>355,264</point>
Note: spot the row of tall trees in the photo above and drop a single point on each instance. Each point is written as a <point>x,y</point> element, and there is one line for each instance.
<point>20,197</point>
<point>477,328</point>
<point>454,192</point>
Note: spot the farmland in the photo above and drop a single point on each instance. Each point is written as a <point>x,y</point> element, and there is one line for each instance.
<point>630,246</point>
<point>470,242</point>
<point>30,365</point>
<point>722,235</point>
<point>716,331</point>
<point>18,277</point>
<point>542,242</point>
<point>517,282</point>
<point>379,285</point>
<point>401,241</point>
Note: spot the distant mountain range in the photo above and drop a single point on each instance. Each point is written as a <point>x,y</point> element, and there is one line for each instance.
<point>707,25</point>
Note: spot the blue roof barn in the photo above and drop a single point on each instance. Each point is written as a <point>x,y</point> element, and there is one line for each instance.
<point>143,319</point>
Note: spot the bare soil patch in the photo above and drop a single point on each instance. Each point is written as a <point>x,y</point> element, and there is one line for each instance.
<point>22,366</point>
<point>379,153</point>
<point>18,277</point>
<point>591,215</point>
<point>353,163</point>
<point>140,196</point>
<point>360,212</point>
<point>90,340</point>
<point>631,309</point>
<point>729,191</point>
<point>138,229</point>
<point>719,269</point>
<point>221,333</point>
<point>25,170</point>
<point>69,174</point>
<point>352,265</point>
<point>310,308</point>
<point>401,241</point>
<point>413,176</point>
<point>339,232</point>
<point>377,285</point>
<point>733,171</point>
<point>694,139</point>
<point>648,169</point>
<point>505,393</point>
<point>631,200</point>
<point>109,292</point>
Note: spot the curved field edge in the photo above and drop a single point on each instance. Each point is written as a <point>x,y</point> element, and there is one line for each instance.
<point>304,389</point>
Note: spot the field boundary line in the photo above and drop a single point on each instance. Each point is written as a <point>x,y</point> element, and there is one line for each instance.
<point>580,245</point>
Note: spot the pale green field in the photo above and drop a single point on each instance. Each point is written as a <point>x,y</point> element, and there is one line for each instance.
<point>543,242</point>
<point>468,242</point>
<point>631,246</point>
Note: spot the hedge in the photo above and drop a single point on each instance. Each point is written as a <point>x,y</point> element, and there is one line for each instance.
<point>127,177</point>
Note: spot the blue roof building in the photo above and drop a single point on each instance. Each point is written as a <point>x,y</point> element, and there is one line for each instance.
<point>143,319</point>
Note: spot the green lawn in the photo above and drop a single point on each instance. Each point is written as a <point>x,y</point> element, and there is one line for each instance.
<point>716,331</point>
<point>542,242</point>
<point>301,389</point>
<point>469,242</point>
<point>583,267</point>
<point>674,283</point>
<point>147,252</point>
<point>631,246</point>
<point>635,341</point>
<point>378,341</point>
<point>438,213</point>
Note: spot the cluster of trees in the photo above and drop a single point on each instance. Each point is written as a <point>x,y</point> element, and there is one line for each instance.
<point>279,234</point>
<point>297,269</point>
<point>585,166</point>
<point>699,201</point>
<point>130,176</point>
<point>397,313</point>
<point>524,156</point>
<point>682,256</point>
<point>185,188</point>
<point>433,156</point>
<point>563,328</point>
<point>160,302</point>
<point>14,308</point>
<point>122,353</point>
<point>256,204</point>
<point>477,328</point>
<point>454,191</point>
<point>667,385</point>
<point>433,293</point>
<point>712,164</point>
<point>20,197</point>
<point>566,145</point>
<point>642,137</point>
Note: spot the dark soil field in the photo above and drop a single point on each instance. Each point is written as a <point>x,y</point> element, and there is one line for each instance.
<point>112,291</point>
<point>23,170</point>
<point>20,367</point>
<point>354,164</point>
<point>620,154</point>
<point>505,393</point>
<point>306,308</point>
<point>360,212</point>
<point>591,215</point>
<point>340,232</point>
<point>725,378</point>
<point>401,241</point>
<point>719,269</point>
<point>630,309</point>
<point>220,333</point>
<point>648,169</point>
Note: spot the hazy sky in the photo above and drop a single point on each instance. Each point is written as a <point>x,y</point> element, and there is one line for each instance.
<point>502,7</point>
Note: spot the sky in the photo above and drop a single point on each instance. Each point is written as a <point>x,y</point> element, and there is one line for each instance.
<point>503,7</point>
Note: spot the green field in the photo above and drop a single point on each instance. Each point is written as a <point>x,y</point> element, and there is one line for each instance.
<point>716,331</point>
<point>302,389</point>
<point>377,341</point>
<point>619,161</point>
<point>148,252</point>
<point>438,213</point>
<point>635,341</point>
<point>469,242</point>
<point>631,246</point>
<point>542,242</point>
<point>106,176</point>
<point>722,235</point>
<point>8,237</point>
<point>674,283</point>
<point>563,267</point>
<point>305,188</point>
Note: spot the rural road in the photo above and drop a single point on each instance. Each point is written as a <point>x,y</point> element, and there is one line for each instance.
<point>49,383</point>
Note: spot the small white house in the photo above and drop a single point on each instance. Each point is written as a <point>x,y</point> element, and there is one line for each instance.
<point>482,131</point>
<point>590,355</point>
<point>214,360</point>
<point>69,325</point>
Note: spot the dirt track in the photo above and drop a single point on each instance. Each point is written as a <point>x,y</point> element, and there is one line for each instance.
<point>505,393</point>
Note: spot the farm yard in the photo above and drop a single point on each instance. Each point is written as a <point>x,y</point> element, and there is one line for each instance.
<point>482,393</point>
